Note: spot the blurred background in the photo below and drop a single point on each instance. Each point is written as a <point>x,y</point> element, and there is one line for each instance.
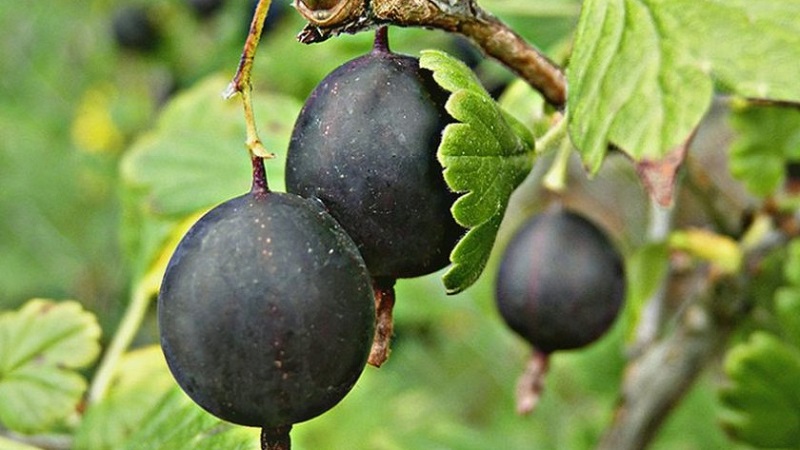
<point>95,96</point>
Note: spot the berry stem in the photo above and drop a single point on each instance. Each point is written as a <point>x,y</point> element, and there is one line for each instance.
<point>383,289</point>
<point>276,438</point>
<point>241,83</point>
<point>381,44</point>
<point>260,185</point>
<point>531,382</point>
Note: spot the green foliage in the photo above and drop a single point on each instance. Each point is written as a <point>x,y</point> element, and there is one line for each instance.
<point>641,73</point>
<point>485,156</point>
<point>196,157</point>
<point>146,410</point>
<point>766,139</point>
<point>762,405</point>
<point>175,422</point>
<point>41,346</point>
<point>140,383</point>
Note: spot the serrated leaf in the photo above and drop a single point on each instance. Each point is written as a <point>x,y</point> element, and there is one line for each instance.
<point>641,73</point>
<point>41,345</point>
<point>141,381</point>
<point>762,404</point>
<point>175,422</point>
<point>766,138</point>
<point>485,156</point>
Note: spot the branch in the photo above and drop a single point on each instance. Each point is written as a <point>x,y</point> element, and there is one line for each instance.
<point>464,17</point>
<point>657,380</point>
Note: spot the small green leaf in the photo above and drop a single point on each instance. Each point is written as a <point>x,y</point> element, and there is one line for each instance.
<point>641,76</point>
<point>40,346</point>
<point>175,422</point>
<point>762,405</point>
<point>767,137</point>
<point>485,156</point>
<point>142,380</point>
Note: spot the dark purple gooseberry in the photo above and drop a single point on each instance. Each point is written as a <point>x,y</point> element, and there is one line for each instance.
<point>561,282</point>
<point>365,144</point>
<point>266,311</point>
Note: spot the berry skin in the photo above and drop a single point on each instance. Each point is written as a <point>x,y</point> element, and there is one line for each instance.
<point>266,311</point>
<point>365,144</point>
<point>561,283</point>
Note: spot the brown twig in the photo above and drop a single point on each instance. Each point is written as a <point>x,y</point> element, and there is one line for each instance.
<point>464,17</point>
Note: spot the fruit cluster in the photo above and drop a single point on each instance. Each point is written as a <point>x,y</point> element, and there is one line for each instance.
<point>273,303</point>
<point>267,309</point>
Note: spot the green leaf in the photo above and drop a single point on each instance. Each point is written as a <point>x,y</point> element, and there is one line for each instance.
<point>40,346</point>
<point>767,137</point>
<point>526,105</point>
<point>485,156</point>
<point>175,422</point>
<point>642,70</point>
<point>195,157</point>
<point>141,382</point>
<point>762,404</point>
<point>146,410</point>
